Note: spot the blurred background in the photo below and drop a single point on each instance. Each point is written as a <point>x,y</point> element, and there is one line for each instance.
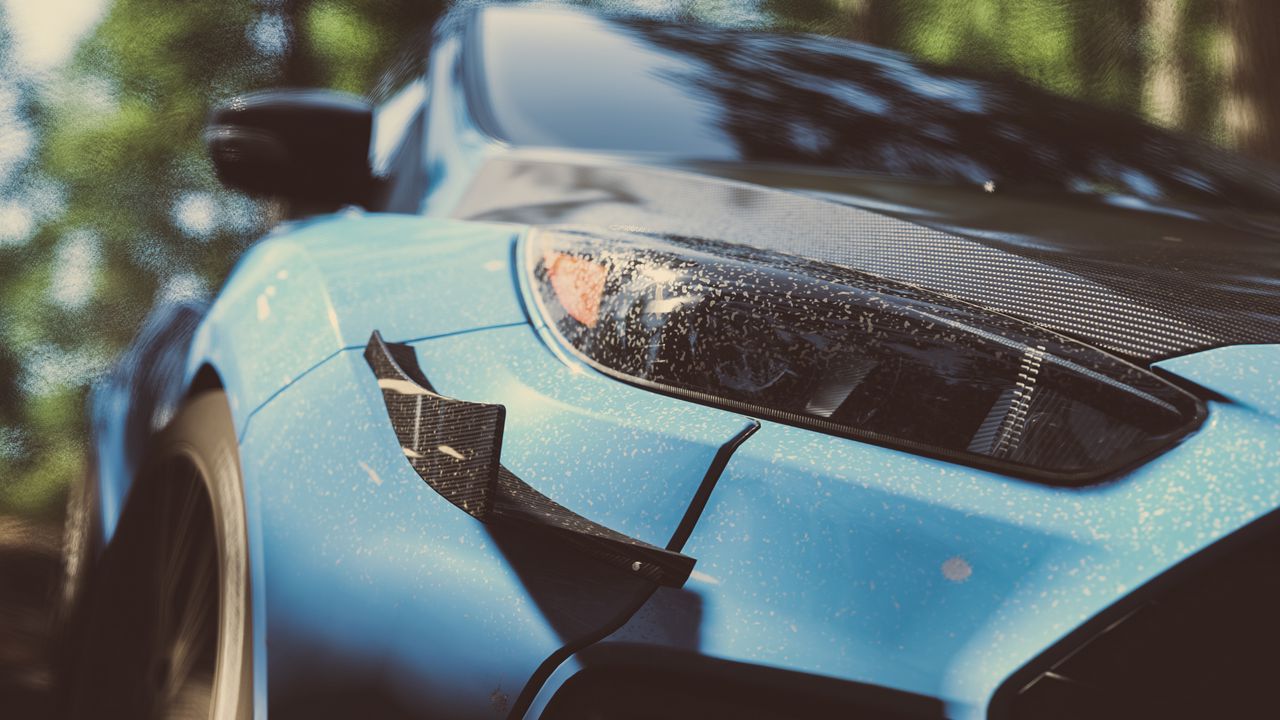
<point>108,204</point>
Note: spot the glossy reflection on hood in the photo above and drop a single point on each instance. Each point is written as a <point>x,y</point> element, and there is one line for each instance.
<point>705,93</point>
<point>850,353</point>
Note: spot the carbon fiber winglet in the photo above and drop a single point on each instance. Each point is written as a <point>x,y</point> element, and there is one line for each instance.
<point>455,446</point>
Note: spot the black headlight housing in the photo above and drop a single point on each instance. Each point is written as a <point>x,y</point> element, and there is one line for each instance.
<point>848,353</point>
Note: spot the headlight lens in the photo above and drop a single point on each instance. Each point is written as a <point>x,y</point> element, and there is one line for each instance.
<point>849,353</point>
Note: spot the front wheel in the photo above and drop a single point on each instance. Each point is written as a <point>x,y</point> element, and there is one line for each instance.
<point>166,631</point>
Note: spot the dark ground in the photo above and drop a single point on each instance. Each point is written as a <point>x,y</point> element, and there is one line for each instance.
<point>29,571</point>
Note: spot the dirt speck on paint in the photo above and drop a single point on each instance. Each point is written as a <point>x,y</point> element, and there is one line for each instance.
<point>956,569</point>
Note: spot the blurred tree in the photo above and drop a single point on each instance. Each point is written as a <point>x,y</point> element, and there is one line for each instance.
<point>26,197</point>
<point>1168,61</point>
<point>144,219</point>
<point>869,21</point>
<point>1252,107</point>
<point>1163,93</point>
<point>1107,49</point>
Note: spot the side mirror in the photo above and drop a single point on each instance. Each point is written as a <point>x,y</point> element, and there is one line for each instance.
<point>309,147</point>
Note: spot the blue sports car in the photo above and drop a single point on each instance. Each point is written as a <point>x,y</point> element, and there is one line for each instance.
<point>612,368</point>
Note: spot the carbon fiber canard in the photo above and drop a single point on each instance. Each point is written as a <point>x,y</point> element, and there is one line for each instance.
<point>455,447</point>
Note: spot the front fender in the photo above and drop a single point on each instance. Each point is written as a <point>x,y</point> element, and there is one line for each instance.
<point>321,286</point>
<point>304,293</point>
<point>371,588</point>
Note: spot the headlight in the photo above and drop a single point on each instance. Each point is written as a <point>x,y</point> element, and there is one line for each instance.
<point>849,353</point>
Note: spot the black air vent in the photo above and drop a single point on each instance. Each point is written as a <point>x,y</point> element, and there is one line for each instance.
<point>1202,642</point>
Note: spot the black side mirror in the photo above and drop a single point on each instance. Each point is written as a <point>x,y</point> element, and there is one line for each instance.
<point>309,147</point>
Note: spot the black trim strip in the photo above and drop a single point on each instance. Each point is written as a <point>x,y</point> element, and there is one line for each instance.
<point>678,539</point>
<point>661,681</point>
<point>543,672</point>
<point>700,498</point>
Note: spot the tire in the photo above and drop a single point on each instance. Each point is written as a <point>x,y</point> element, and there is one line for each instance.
<point>165,630</point>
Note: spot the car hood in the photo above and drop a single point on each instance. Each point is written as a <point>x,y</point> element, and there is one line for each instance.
<point>1143,282</point>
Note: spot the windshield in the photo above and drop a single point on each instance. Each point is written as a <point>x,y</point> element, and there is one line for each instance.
<point>702,93</point>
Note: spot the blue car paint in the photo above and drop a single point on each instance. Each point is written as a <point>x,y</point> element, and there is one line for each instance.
<point>626,458</point>
<point>456,147</point>
<point>113,472</point>
<point>918,575</point>
<point>302,295</point>
<point>967,573</point>
<point>315,287</point>
<point>815,553</point>
<point>404,579</point>
<point>408,579</point>
<point>306,300</point>
<point>1247,375</point>
<point>325,285</point>
<point>981,573</point>
<point>838,558</point>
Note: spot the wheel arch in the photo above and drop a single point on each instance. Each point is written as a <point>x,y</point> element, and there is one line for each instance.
<point>294,300</point>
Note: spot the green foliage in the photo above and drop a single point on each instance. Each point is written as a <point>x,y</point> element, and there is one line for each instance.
<point>119,139</point>
<point>340,39</point>
<point>1036,38</point>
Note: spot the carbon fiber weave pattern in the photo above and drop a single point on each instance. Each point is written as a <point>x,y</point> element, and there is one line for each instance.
<point>1140,294</point>
<point>517,503</point>
<point>455,447</point>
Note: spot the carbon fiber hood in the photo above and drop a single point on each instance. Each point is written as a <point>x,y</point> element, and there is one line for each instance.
<point>1140,281</point>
